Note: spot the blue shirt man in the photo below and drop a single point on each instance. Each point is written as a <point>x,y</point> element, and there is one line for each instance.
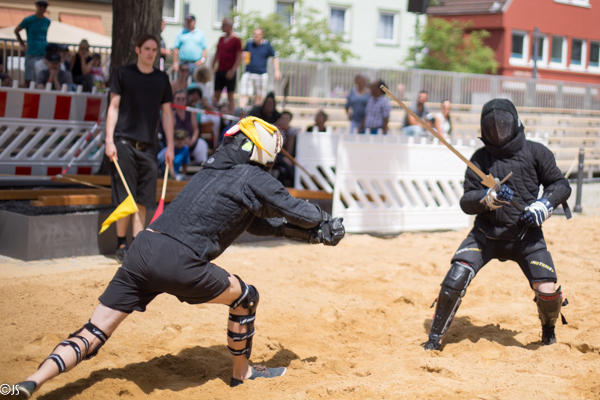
<point>36,27</point>
<point>254,80</point>
<point>190,46</point>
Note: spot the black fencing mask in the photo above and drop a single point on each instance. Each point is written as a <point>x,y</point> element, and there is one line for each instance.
<point>497,127</point>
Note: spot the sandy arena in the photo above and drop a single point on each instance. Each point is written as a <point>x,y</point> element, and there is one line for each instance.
<point>347,321</point>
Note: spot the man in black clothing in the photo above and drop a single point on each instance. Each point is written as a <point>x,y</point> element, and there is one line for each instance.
<point>139,92</point>
<point>500,230</point>
<point>232,193</point>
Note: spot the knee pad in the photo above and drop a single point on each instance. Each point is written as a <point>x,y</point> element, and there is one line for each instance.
<point>248,300</point>
<point>94,330</point>
<point>549,306</point>
<point>453,289</point>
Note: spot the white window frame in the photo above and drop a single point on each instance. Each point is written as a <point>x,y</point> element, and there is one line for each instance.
<point>217,22</point>
<point>565,45</point>
<point>592,67</point>
<point>294,5</point>
<point>524,60</point>
<point>347,19</point>
<point>176,19</point>
<point>396,21</point>
<point>544,54</point>
<point>583,64</point>
<point>578,3</point>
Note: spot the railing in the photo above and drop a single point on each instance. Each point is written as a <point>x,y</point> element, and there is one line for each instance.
<point>14,57</point>
<point>328,80</point>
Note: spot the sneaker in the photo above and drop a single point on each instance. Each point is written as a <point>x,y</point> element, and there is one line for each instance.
<point>259,371</point>
<point>26,389</point>
<point>548,336</point>
<point>432,344</point>
<point>121,252</point>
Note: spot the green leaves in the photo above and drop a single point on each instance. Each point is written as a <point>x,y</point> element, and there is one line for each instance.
<point>450,46</point>
<point>308,37</point>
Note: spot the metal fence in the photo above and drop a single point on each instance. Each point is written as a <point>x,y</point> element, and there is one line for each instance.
<point>13,57</point>
<point>329,80</point>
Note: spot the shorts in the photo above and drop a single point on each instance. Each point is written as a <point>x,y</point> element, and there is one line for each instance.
<point>30,61</point>
<point>140,169</point>
<point>156,263</point>
<point>253,84</point>
<point>221,82</point>
<point>531,254</point>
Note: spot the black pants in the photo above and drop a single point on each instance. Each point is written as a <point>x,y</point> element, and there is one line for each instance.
<point>156,264</point>
<point>140,169</point>
<point>531,254</point>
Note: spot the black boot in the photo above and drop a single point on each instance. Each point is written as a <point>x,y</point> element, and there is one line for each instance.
<point>549,306</point>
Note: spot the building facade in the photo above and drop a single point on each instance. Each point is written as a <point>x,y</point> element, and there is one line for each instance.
<point>568,38</point>
<point>379,32</point>
<point>93,15</point>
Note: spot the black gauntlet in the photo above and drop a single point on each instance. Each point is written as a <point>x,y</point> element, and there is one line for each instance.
<point>328,232</point>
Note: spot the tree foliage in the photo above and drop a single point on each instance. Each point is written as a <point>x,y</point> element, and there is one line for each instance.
<point>445,46</point>
<point>308,38</point>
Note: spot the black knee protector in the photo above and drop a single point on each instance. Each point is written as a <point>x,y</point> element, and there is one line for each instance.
<point>549,306</point>
<point>453,289</point>
<point>248,300</point>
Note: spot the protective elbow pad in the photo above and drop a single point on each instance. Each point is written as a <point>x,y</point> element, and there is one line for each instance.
<point>453,290</point>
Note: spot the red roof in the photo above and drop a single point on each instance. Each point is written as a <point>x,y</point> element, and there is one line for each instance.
<point>459,7</point>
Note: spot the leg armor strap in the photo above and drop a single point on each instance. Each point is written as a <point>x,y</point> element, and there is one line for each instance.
<point>549,306</point>
<point>59,362</point>
<point>248,300</point>
<point>94,330</point>
<point>453,289</point>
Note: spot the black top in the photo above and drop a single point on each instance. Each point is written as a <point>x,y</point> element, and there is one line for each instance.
<point>532,165</point>
<point>141,98</point>
<point>227,197</point>
<point>77,65</point>
<point>258,112</point>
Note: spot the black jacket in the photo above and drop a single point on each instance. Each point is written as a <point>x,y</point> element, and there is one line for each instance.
<point>532,164</point>
<point>227,197</point>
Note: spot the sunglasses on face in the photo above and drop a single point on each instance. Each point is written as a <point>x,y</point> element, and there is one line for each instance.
<point>179,98</point>
<point>185,70</point>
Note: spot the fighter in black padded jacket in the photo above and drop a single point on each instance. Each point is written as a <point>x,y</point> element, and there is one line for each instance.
<point>500,230</point>
<point>231,194</point>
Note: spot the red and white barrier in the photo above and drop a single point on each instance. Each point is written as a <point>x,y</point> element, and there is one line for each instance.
<point>50,105</point>
<point>46,147</point>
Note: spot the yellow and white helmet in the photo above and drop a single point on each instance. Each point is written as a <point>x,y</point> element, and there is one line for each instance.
<point>266,138</point>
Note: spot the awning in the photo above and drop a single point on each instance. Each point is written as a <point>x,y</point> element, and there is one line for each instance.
<point>64,34</point>
<point>13,16</point>
<point>93,24</point>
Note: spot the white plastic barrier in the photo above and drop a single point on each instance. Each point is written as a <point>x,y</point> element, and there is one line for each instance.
<point>51,104</point>
<point>388,184</point>
<point>45,147</point>
<point>317,153</point>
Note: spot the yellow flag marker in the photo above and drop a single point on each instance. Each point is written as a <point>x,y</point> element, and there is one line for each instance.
<point>124,209</point>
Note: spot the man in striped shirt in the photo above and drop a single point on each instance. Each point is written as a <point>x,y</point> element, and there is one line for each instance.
<point>377,113</point>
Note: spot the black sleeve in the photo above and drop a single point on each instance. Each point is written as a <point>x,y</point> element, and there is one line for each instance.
<point>556,187</point>
<point>267,198</point>
<point>116,85</point>
<point>168,92</point>
<point>470,202</point>
<point>267,227</point>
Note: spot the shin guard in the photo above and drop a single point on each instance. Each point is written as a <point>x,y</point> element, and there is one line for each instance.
<point>549,306</point>
<point>453,289</point>
<point>248,300</point>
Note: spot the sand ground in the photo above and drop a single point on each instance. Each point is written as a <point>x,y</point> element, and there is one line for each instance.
<point>347,321</point>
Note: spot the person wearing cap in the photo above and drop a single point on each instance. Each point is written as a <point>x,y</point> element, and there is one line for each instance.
<point>190,46</point>
<point>36,26</point>
<point>54,74</point>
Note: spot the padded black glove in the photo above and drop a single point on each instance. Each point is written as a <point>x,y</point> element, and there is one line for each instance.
<point>329,232</point>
